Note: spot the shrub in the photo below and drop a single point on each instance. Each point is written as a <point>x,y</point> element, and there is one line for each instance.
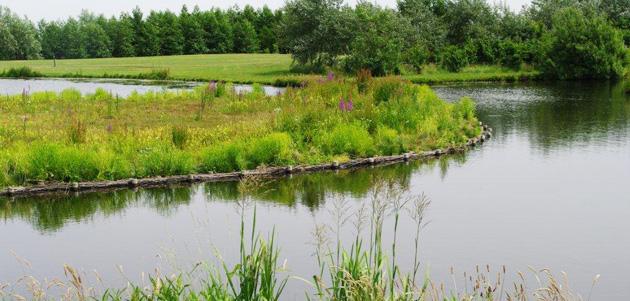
<point>226,157</point>
<point>273,149</point>
<point>388,141</point>
<point>511,55</point>
<point>165,161</point>
<point>161,74</point>
<point>21,72</point>
<point>61,163</point>
<point>417,56</point>
<point>70,94</point>
<point>453,59</point>
<point>465,108</point>
<point>387,89</point>
<point>351,139</point>
<point>581,46</point>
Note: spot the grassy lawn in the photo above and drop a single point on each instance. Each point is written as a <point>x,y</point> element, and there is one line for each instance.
<point>67,136</point>
<point>431,74</point>
<point>239,68</point>
<point>272,69</point>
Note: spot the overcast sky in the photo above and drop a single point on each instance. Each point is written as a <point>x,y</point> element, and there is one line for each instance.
<point>59,9</point>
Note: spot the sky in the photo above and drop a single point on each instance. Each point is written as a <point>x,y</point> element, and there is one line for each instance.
<point>61,9</point>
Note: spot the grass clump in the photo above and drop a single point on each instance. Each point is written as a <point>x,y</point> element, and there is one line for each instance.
<point>213,129</point>
<point>20,72</point>
<point>352,139</point>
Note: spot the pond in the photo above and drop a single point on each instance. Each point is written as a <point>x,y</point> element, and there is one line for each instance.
<point>121,87</point>
<point>549,190</point>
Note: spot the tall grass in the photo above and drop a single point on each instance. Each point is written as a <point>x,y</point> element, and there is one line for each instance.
<point>212,129</point>
<point>365,268</point>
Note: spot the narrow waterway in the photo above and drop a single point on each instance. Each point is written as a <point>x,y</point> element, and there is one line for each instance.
<point>120,87</point>
<point>551,189</point>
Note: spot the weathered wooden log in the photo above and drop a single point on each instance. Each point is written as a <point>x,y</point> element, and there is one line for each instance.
<point>44,188</point>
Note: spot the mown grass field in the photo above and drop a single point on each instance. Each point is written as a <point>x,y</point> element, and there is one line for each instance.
<point>271,69</point>
<point>239,68</point>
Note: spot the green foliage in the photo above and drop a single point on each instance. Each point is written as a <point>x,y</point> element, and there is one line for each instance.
<point>273,149</point>
<point>352,139</point>
<point>378,42</point>
<point>417,56</point>
<point>511,55</point>
<point>388,141</point>
<point>226,157</point>
<point>77,132</point>
<point>20,36</point>
<point>245,38</point>
<point>179,136</point>
<point>364,78</point>
<point>20,72</point>
<point>582,46</point>
<point>160,74</point>
<point>453,59</point>
<point>316,32</point>
<point>143,135</point>
<point>387,89</point>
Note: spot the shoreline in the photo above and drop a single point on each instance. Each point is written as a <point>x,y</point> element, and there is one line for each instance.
<point>271,172</point>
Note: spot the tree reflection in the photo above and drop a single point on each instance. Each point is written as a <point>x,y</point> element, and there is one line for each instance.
<point>49,214</point>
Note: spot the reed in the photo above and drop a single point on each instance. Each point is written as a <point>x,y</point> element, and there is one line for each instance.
<point>366,270</point>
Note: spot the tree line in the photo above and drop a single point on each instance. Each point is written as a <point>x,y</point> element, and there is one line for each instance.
<point>561,38</point>
<point>131,34</point>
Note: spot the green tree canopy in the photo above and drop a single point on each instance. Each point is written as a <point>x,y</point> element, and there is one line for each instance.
<point>582,46</point>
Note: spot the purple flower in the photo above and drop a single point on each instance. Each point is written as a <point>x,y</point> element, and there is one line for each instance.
<point>342,105</point>
<point>331,76</point>
<point>349,105</point>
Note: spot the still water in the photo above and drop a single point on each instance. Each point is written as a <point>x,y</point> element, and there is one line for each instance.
<point>551,189</point>
<point>121,87</point>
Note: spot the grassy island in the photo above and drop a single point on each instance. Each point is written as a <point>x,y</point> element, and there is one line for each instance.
<point>72,137</point>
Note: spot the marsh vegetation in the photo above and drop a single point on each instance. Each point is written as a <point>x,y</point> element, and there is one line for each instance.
<point>68,136</point>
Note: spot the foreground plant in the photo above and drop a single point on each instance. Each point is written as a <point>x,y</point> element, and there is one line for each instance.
<point>366,269</point>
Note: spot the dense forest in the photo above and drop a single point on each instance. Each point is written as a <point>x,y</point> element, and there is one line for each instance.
<point>561,38</point>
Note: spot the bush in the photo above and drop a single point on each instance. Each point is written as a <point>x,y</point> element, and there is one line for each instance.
<point>580,46</point>
<point>165,161</point>
<point>161,74</point>
<point>226,157</point>
<point>350,139</point>
<point>511,55</point>
<point>61,163</point>
<point>273,149</point>
<point>388,141</point>
<point>453,59</point>
<point>465,109</point>
<point>21,72</point>
<point>70,94</point>
<point>417,56</point>
<point>387,89</point>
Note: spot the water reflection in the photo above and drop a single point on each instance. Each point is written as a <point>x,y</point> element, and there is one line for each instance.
<point>549,190</point>
<point>552,116</point>
<point>49,214</point>
<point>119,87</point>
